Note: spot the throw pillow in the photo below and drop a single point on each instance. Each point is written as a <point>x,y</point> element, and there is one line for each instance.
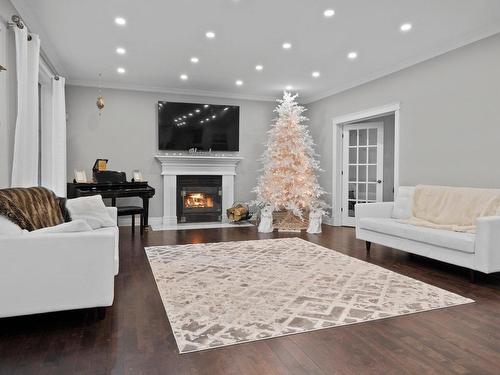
<point>403,203</point>
<point>92,210</point>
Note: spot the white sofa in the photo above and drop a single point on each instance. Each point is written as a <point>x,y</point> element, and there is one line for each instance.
<point>58,271</point>
<point>381,223</point>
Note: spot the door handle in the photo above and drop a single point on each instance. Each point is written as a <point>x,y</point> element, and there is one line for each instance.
<point>379,181</point>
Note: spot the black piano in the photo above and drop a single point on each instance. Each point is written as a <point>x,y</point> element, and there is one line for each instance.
<point>114,190</point>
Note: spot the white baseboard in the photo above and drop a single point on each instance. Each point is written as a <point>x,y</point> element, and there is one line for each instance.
<point>184,226</point>
<point>126,221</point>
<point>164,222</point>
<point>328,220</point>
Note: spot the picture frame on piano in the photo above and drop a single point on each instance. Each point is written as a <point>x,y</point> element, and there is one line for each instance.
<point>137,176</point>
<point>80,176</point>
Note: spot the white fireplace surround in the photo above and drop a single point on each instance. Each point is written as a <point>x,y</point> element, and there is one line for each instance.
<point>175,165</point>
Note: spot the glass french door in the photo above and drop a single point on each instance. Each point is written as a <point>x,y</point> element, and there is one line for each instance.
<point>363,158</point>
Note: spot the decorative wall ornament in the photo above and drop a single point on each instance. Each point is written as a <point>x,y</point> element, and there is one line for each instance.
<point>100,103</point>
<point>100,98</point>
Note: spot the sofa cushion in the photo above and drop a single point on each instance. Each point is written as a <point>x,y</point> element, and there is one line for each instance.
<point>69,227</point>
<point>452,240</point>
<point>403,203</point>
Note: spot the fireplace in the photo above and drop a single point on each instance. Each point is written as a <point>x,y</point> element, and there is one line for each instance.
<point>199,198</point>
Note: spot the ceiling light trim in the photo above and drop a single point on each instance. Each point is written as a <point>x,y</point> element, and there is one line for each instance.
<point>470,38</point>
<point>173,91</point>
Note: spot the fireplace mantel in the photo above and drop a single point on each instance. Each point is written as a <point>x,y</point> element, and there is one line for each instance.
<point>189,164</point>
<point>198,164</point>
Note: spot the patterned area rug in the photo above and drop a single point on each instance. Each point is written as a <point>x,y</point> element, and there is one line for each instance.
<point>219,294</point>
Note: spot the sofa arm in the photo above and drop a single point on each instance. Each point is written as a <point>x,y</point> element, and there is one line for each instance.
<point>378,209</point>
<point>113,212</point>
<point>487,252</point>
<point>56,271</point>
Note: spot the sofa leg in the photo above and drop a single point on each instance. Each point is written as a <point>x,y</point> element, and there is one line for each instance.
<point>368,246</point>
<point>472,276</point>
<point>101,313</point>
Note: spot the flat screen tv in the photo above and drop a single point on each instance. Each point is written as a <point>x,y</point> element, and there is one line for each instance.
<point>182,126</point>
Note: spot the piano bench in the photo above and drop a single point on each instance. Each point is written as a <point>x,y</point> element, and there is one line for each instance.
<point>132,210</point>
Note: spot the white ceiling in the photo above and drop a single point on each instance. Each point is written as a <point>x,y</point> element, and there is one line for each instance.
<point>80,38</point>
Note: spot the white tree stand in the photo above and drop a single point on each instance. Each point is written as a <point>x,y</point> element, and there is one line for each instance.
<point>266,220</point>
<point>315,218</point>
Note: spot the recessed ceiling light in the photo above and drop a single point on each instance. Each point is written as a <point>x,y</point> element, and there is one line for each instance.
<point>197,110</point>
<point>239,82</point>
<point>120,50</point>
<point>405,27</point>
<point>184,77</point>
<point>190,114</point>
<point>329,13</point>
<point>315,74</point>
<point>289,87</point>
<point>121,70</point>
<point>287,45</point>
<point>259,67</point>
<point>206,106</point>
<point>225,109</point>
<point>210,34</point>
<point>195,60</point>
<point>352,55</point>
<point>120,21</point>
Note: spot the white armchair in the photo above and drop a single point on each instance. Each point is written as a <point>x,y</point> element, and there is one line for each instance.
<point>58,271</point>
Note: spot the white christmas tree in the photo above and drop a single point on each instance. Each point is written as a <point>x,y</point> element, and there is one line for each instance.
<point>289,181</point>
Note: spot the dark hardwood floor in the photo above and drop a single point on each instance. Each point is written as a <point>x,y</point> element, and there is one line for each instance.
<point>135,336</point>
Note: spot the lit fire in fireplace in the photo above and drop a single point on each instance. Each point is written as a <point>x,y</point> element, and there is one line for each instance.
<point>198,200</point>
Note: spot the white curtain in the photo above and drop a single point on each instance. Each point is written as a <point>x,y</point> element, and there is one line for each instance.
<point>25,158</point>
<point>53,142</point>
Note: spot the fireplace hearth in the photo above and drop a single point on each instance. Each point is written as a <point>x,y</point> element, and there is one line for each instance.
<point>199,199</point>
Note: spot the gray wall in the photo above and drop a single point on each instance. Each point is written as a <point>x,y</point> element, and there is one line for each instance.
<point>450,117</point>
<point>126,134</point>
<point>8,100</point>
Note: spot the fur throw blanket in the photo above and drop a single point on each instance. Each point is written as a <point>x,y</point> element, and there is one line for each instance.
<point>33,208</point>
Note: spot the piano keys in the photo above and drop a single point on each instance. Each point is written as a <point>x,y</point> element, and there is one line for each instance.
<point>114,190</point>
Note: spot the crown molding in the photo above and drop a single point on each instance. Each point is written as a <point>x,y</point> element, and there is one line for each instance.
<point>167,90</point>
<point>477,35</point>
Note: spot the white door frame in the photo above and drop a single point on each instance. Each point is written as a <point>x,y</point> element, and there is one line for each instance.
<point>337,162</point>
<point>379,126</point>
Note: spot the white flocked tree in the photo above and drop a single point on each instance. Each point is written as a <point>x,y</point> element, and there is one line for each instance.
<point>288,180</point>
